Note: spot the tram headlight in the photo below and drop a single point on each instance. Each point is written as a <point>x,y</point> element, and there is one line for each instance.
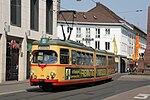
<point>35,77</point>
<point>31,73</point>
<point>47,77</point>
<point>52,75</point>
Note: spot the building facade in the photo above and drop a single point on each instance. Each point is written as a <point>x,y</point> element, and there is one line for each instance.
<point>101,29</point>
<point>21,22</point>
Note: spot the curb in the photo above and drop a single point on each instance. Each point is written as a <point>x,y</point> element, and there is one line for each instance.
<point>13,82</point>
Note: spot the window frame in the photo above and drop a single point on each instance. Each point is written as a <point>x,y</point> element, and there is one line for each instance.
<point>107,45</point>
<point>107,30</point>
<point>34,15</point>
<point>67,56</point>
<point>49,17</point>
<point>15,12</point>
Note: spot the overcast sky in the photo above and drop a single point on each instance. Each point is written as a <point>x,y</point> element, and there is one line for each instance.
<point>133,11</point>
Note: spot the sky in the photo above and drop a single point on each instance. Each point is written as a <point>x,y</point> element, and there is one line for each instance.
<point>133,11</point>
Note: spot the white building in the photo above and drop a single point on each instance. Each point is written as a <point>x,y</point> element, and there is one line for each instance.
<point>98,28</point>
<point>21,22</point>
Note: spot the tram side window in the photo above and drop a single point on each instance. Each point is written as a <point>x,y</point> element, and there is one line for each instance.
<point>64,56</point>
<point>98,60</point>
<point>110,61</point>
<point>87,60</point>
<point>79,58</point>
<point>83,59</point>
<point>91,59</point>
<point>74,57</point>
<point>104,60</point>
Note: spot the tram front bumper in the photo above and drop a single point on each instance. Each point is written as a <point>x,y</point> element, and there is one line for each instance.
<point>35,82</point>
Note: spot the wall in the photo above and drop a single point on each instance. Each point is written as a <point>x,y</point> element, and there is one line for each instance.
<point>115,31</point>
<point>23,33</point>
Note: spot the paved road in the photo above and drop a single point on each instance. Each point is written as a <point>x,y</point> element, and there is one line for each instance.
<point>122,88</point>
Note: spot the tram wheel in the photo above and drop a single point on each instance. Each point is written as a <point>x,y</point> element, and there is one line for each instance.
<point>45,87</point>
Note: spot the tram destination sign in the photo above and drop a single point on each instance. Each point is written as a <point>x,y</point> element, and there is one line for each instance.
<point>43,47</point>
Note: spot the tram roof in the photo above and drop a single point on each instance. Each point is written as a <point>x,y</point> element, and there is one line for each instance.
<point>68,43</point>
<point>110,53</point>
<point>101,51</point>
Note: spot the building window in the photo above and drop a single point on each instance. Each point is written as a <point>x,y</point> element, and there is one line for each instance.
<point>78,30</point>
<point>97,33</point>
<point>16,12</point>
<point>88,33</point>
<point>88,36</point>
<point>97,45</point>
<point>49,16</point>
<point>34,15</point>
<point>78,35</point>
<point>107,31</point>
<point>107,45</point>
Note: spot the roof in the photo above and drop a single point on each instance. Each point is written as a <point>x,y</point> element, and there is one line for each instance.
<point>138,31</point>
<point>98,14</point>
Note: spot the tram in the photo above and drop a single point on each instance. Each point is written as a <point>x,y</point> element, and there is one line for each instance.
<point>59,63</point>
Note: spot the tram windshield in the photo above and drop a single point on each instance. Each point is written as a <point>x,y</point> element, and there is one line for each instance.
<point>44,57</point>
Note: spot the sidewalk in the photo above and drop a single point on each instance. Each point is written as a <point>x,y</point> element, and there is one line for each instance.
<point>14,87</point>
<point>142,93</point>
<point>135,77</point>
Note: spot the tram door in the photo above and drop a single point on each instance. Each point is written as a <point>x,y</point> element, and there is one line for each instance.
<point>12,62</point>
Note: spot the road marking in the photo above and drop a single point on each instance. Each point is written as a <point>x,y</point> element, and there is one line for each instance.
<point>142,96</point>
<point>4,93</point>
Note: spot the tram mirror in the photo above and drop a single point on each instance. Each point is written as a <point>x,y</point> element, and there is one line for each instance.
<point>29,47</point>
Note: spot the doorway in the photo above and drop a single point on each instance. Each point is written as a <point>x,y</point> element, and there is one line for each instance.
<point>123,66</point>
<point>12,62</point>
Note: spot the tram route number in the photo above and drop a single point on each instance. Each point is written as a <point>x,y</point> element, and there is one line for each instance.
<point>78,73</point>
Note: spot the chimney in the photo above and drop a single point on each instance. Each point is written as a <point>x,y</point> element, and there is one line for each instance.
<point>98,3</point>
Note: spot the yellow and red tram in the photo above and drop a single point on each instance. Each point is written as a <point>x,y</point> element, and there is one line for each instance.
<point>58,63</point>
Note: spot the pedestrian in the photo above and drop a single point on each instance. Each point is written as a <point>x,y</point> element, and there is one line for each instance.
<point>135,69</point>
<point>128,69</point>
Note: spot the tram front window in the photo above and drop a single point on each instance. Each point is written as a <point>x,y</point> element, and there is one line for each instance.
<point>45,57</point>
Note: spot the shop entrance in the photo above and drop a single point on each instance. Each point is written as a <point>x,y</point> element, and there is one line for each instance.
<point>12,61</point>
<point>123,66</point>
